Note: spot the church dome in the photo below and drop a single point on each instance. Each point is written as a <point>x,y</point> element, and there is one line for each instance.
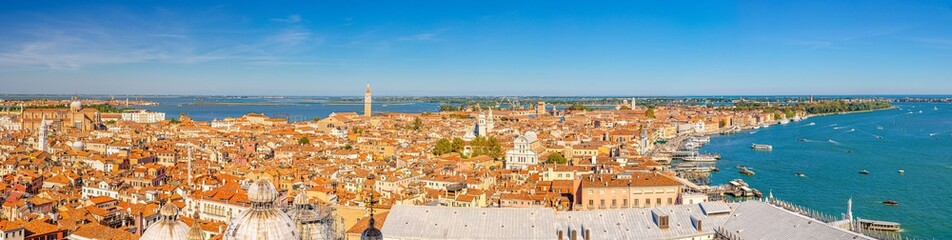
<point>309,221</point>
<point>371,233</point>
<point>195,233</point>
<point>78,145</point>
<point>263,220</point>
<point>301,199</point>
<point>168,227</point>
<point>76,106</point>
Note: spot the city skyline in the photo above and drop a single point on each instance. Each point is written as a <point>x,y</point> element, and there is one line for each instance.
<point>487,49</point>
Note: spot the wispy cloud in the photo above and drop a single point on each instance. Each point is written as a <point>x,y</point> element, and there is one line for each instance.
<point>424,36</point>
<point>841,40</point>
<point>73,42</point>
<point>938,43</point>
<point>290,19</point>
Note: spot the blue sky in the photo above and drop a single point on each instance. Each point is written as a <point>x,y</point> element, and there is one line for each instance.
<point>477,47</point>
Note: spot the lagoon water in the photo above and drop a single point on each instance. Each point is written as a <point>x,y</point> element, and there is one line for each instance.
<point>292,108</point>
<point>837,147</point>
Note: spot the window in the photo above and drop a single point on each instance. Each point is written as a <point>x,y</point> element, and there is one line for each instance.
<point>647,202</point>
<point>624,203</point>
<point>601,203</point>
<point>658,201</point>
<point>591,203</point>
<point>670,201</point>
<point>614,203</point>
<point>636,202</point>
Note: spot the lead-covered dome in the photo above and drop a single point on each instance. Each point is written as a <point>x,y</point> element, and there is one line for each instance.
<point>263,220</point>
<point>168,227</point>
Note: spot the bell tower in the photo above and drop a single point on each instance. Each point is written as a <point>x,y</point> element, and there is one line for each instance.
<point>367,102</point>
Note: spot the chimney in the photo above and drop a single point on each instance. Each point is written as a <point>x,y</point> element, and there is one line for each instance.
<point>139,224</point>
<point>699,226</point>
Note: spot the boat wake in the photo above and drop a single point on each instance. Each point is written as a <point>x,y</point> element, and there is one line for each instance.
<point>838,128</point>
<point>877,136</point>
<point>851,130</point>
<point>834,142</point>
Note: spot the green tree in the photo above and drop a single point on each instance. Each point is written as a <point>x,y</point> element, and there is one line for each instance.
<point>448,108</point>
<point>650,113</point>
<point>556,158</point>
<point>417,123</point>
<point>578,107</point>
<point>304,141</point>
<point>174,121</point>
<point>315,119</point>
<point>443,146</point>
<point>458,145</point>
<point>776,116</point>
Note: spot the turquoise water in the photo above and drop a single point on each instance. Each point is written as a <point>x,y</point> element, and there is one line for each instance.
<point>837,147</point>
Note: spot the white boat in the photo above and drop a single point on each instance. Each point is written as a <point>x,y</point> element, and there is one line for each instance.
<point>701,139</point>
<point>935,108</point>
<point>784,121</point>
<point>811,124</point>
<point>700,158</point>
<point>762,147</point>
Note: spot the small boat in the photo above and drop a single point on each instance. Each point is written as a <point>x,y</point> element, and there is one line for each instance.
<point>932,134</point>
<point>902,171</point>
<point>920,111</point>
<point>879,127</point>
<point>935,108</point>
<point>864,172</point>
<point>746,171</point>
<point>811,124</point>
<point>761,147</point>
<point>890,203</point>
<point>801,139</point>
<point>800,174</point>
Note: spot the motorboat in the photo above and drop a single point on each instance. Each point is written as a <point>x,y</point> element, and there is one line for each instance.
<point>800,174</point>
<point>864,172</point>
<point>761,147</point>
<point>890,203</point>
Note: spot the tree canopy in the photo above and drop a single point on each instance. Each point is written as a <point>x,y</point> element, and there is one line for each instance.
<point>556,158</point>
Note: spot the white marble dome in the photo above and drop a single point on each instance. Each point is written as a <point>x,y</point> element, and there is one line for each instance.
<point>168,227</point>
<point>78,145</point>
<point>263,220</point>
<point>76,106</point>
